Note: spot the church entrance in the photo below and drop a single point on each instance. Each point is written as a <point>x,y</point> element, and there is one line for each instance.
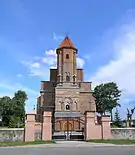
<point>68,129</point>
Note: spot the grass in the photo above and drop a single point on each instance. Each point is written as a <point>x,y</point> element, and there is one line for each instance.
<point>3,127</point>
<point>118,142</point>
<point>25,143</point>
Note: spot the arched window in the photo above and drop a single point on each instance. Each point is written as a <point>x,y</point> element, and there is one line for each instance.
<point>67,107</point>
<point>67,78</point>
<point>67,56</point>
<point>74,78</point>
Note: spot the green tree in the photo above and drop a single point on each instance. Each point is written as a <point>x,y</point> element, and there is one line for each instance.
<point>18,105</point>
<point>13,109</point>
<point>5,109</point>
<point>106,97</point>
<point>14,122</point>
<point>117,119</point>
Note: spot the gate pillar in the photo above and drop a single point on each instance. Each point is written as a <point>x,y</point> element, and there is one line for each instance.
<point>47,126</point>
<point>106,129</point>
<point>30,128</point>
<point>90,125</point>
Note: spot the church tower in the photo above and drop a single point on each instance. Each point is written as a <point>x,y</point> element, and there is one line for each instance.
<point>66,62</point>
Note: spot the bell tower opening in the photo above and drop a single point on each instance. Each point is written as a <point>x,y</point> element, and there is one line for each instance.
<point>67,56</point>
<point>67,78</point>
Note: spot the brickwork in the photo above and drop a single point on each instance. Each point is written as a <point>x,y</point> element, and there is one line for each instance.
<point>66,88</point>
<point>53,75</point>
<point>80,76</point>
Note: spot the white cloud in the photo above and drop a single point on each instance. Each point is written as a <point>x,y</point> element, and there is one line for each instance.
<point>120,69</point>
<point>39,66</point>
<point>80,62</point>
<point>36,68</point>
<point>49,60</point>
<point>51,53</point>
<point>19,75</point>
<point>35,65</point>
<point>57,37</point>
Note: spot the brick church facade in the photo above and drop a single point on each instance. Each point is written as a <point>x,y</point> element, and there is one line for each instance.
<point>66,94</point>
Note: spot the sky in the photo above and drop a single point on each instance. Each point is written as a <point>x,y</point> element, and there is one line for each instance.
<point>103,31</point>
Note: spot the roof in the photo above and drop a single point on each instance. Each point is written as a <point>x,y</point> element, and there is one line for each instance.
<point>66,43</point>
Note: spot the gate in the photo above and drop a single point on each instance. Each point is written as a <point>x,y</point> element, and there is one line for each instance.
<point>68,129</point>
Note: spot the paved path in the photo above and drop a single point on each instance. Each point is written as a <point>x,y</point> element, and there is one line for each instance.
<point>68,151</point>
<point>69,148</point>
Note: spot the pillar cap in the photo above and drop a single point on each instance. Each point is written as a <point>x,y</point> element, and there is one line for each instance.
<point>47,113</point>
<point>89,111</point>
<point>30,114</point>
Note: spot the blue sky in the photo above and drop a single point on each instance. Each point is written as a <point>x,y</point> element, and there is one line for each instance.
<point>31,30</point>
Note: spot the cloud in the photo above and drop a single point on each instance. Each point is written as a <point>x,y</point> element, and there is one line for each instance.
<point>19,75</point>
<point>35,65</point>
<point>51,53</point>
<point>120,68</point>
<point>36,68</point>
<point>39,66</point>
<point>16,86</point>
<point>80,62</point>
<point>57,37</point>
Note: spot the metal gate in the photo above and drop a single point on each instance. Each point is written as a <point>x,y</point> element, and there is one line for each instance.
<point>68,129</point>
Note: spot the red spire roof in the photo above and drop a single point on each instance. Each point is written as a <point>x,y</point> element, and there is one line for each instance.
<point>67,43</point>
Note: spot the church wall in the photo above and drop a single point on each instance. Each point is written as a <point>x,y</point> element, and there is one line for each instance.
<point>53,75</point>
<point>61,94</point>
<point>47,98</point>
<point>84,104</point>
<point>86,99</point>
<point>38,108</point>
<point>80,75</point>
<point>47,85</point>
<point>82,95</point>
<point>85,87</point>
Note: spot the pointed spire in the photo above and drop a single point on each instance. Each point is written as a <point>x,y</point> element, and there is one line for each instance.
<point>66,43</point>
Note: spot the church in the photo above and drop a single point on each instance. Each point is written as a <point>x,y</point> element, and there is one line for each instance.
<point>66,93</point>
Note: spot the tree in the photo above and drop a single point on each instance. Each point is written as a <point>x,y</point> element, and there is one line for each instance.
<point>117,119</point>
<point>5,109</point>
<point>18,104</point>
<point>106,97</point>
<point>14,122</point>
<point>13,110</point>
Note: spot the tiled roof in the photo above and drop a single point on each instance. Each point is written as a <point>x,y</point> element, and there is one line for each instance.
<point>66,43</point>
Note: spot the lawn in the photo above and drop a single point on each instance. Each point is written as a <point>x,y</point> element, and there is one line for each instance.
<point>25,143</point>
<point>118,142</point>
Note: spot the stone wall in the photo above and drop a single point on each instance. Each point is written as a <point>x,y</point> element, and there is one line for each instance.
<point>15,134</point>
<point>11,134</point>
<point>123,133</point>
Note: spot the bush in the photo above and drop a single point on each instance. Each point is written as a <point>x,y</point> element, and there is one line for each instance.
<point>14,122</point>
<point>113,126</point>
